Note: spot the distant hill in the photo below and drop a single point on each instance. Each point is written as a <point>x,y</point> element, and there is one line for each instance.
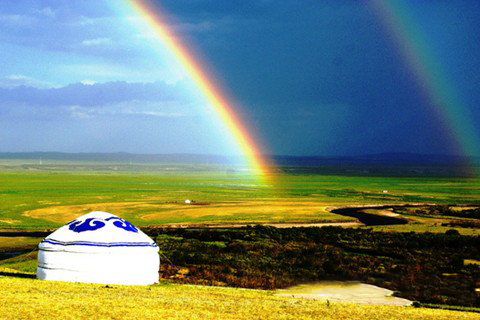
<point>383,159</point>
<point>120,157</point>
<point>413,159</point>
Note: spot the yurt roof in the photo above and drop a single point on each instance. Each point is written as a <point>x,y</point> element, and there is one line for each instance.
<point>97,230</point>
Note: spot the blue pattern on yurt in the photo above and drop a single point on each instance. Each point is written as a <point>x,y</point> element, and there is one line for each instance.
<point>123,224</point>
<point>92,224</point>
<point>88,224</point>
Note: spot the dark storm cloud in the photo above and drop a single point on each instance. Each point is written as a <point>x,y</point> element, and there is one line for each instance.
<point>278,59</point>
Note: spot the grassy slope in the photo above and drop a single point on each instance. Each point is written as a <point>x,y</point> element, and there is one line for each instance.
<point>18,243</point>
<point>25,191</point>
<point>23,263</point>
<point>30,299</point>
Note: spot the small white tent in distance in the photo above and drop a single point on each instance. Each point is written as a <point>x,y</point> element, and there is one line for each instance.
<point>99,247</point>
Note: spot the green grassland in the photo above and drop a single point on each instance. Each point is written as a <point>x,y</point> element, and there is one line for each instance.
<point>40,199</point>
<point>28,299</point>
<point>35,200</point>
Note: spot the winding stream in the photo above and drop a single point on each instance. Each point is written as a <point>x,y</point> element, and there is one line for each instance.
<point>370,219</point>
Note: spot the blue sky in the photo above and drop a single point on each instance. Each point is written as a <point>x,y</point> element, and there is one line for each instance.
<point>311,77</point>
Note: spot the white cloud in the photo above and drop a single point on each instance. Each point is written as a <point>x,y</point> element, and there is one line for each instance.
<point>88,82</point>
<point>81,112</point>
<point>47,12</point>
<point>96,42</point>
<point>82,21</point>
<point>101,72</point>
<point>130,108</point>
<point>156,114</point>
<point>164,109</point>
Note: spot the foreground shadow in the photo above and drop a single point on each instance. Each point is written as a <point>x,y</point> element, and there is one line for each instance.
<point>18,275</point>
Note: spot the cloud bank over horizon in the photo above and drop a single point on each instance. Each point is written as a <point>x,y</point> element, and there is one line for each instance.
<point>105,117</point>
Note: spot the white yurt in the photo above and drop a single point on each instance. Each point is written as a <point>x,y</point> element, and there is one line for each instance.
<point>99,247</point>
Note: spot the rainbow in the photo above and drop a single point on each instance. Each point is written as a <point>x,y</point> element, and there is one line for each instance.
<point>428,74</point>
<point>235,126</point>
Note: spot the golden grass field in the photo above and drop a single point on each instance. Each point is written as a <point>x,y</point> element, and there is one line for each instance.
<point>35,299</point>
<point>240,211</point>
<point>289,212</point>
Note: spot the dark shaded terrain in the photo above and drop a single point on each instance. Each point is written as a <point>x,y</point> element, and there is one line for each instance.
<point>443,210</point>
<point>424,267</point>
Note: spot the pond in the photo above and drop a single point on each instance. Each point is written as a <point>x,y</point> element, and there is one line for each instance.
<point>344,291</point>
